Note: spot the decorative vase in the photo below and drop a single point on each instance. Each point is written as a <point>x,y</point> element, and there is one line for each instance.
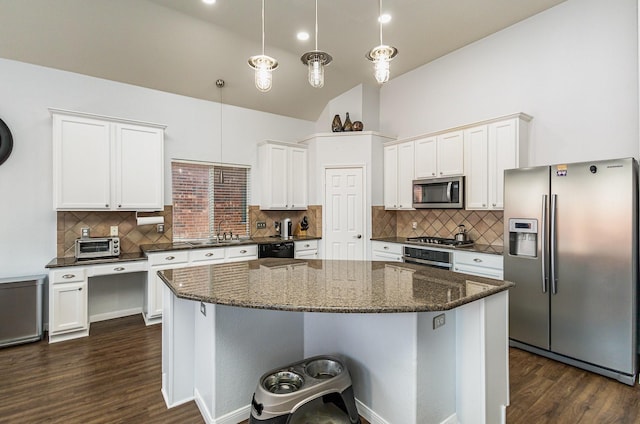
<point>348,126</point>
<point>336,125</point>
<point>358,126</point>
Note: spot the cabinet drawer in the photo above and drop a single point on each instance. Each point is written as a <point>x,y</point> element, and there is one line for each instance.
<point>67,275</point>
<point>118,268</point>
<point>383,247</point>
<point>478,259</point>
<point>198,255</point>
<point>306,245</point>
<point>169,258</point>
<point>246,251</point>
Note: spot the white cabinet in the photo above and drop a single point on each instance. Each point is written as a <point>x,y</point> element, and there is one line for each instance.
<point>283,174</point>
<point>490,149</point>
<point>440,155</point>
<point>480,264</point>
<point>398,176</point>
<point>306,249</point>
<point>101,163</point>
<point>152,309</point>
<point>384,251</point>
<point>68,311</point>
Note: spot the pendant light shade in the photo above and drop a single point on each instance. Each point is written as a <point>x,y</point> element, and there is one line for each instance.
<point>381,56</point>
<point>316,60</point>
<point>263,65</point>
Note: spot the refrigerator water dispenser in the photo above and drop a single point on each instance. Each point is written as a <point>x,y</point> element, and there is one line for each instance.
<point>523,237</point>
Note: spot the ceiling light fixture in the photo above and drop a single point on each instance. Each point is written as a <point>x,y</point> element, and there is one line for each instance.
<point>263,65</point>
<point>316,60</point>
<point>208,1</point>
<point>381,56</point>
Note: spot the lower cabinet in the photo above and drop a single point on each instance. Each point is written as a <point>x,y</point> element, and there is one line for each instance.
<point>383,251</point>
<point>480,264</point>
<point>69,303</point>
<point>152,309</point>
<point>306,249</point>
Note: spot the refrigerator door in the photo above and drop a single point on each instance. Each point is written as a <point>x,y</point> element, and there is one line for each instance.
<point>526,194</point>
<point>593,310</point>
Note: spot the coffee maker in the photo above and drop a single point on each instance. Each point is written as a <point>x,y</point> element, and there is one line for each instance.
<point>286,229</point>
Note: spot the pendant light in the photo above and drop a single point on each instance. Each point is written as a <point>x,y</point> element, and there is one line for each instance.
<point>381,55</point>
<point>316,60</point>
<point>263,65</point>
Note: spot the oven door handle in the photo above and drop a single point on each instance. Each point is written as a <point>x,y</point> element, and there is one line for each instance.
<point>444,265</point>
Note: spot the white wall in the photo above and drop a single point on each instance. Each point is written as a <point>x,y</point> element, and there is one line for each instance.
<point>574,68</point>
<point>27,218</point>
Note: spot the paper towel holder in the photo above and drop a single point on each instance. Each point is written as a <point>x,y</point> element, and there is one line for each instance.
<point>149,220</point>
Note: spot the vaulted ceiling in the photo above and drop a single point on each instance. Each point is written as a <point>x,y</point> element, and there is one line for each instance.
<point>184,46</point>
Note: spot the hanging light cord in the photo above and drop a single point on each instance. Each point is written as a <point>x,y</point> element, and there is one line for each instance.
<point>263,27</point>
<point>379,21</point>
<point>316,25</point>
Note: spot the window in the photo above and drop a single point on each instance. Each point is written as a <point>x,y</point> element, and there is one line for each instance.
<point>208,196</point>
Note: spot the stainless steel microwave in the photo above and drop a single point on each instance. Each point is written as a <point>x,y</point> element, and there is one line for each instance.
<point>439,193</point>
<point>97,247</point>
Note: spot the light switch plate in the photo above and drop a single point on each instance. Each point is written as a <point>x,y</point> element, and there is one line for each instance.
<point>114,230</point>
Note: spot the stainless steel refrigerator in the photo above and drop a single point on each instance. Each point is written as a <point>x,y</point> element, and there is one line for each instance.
<point>571,248</point>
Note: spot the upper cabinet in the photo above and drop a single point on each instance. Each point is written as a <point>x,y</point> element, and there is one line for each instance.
<point>439,155</point>
<point>283,175</point>
<point>102,163</point>
<point>398,177</point>
<point>490,149</point>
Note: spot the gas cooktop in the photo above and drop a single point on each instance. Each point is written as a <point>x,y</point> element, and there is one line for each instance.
<point>439,240</point>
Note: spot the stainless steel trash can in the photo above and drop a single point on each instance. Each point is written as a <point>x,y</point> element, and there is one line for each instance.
<point>21,309</point>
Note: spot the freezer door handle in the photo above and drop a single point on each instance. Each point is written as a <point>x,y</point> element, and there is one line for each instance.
<point>543,241</point>
<point>552,245</point>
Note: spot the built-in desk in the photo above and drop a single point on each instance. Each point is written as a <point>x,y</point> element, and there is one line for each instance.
<point>423,345</point>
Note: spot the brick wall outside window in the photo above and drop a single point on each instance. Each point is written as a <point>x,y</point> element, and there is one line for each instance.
<point>206,196</point>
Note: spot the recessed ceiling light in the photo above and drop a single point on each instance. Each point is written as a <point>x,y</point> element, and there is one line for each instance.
<point>208,1</point>
<point>302,36</point>
<point>384,18</point>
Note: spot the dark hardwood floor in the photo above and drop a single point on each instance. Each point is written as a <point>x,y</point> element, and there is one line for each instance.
<point>113,376</point>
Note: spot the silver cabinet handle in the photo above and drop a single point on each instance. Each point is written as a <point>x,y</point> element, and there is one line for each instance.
<point>359,236</point>
<point>433,174</point>
<point>243,251</point>
<point>386,247</point>
<point>477,260</point>
<point>80,289</point>
<point>208,255</point>
<point>119,206</point>
<point>67,276</point>
<point>170,258</point>
<point>306,245</point>
<point>120,268</point>
<point>106,205</point>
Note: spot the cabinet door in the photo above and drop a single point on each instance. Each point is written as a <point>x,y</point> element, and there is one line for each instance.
<point>69,305</point>
<point>405,175</point>
<point>139,167</point>
<point>477,181</point>
<point>391,177</point>
<point>81,163</point>
<point>502,155</point>
<point>297,179</point>
<point>155,309</point>
<point>275,170</point>
<point>425,162</point>
<point>450,154</point>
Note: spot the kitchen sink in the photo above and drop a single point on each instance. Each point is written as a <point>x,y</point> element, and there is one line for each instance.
<point>214,242</point>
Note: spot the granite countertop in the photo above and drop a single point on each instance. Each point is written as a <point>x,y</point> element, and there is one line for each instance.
<point>329,286</point>
<point>480,248</point>
<point>163,247</point>
<point>72,261</point>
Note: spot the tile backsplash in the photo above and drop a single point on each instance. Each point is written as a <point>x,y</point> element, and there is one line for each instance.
<point>313,214</point>
<point>131,235</point>
<point>484,227</point>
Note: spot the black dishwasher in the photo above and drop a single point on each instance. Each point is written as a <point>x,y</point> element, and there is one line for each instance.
<point>276,250</point>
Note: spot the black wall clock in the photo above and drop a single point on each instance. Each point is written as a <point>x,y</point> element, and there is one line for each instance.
<point>6,142</point>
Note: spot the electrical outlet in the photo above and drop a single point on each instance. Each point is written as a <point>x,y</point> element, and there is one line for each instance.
<point>114,230</point>
<point>160,228</point>
<point>261,225</point>
<point>85,232</point>
<point>414,225</point>
<point>203,309</point>
<point>438,321</point>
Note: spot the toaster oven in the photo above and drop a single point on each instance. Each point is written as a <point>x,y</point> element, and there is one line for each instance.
<point>97,247</point>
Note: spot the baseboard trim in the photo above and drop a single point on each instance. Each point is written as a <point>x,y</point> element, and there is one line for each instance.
<point>115,314</point>
<point>368,414</point>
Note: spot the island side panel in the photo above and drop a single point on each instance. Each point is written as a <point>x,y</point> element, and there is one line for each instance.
<point>381,353</point>
<point>234,346</point>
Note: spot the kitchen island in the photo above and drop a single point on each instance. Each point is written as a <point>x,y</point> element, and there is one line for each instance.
<point>423,345</point>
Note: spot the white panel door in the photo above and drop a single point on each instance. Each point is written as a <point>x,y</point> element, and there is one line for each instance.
<point>344,214</point>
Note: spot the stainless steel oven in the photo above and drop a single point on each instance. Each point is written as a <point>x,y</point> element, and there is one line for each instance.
<point>439,193</point>
<point>426,256</point>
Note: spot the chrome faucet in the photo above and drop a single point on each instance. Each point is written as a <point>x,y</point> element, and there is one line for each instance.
<point>219,225</point>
